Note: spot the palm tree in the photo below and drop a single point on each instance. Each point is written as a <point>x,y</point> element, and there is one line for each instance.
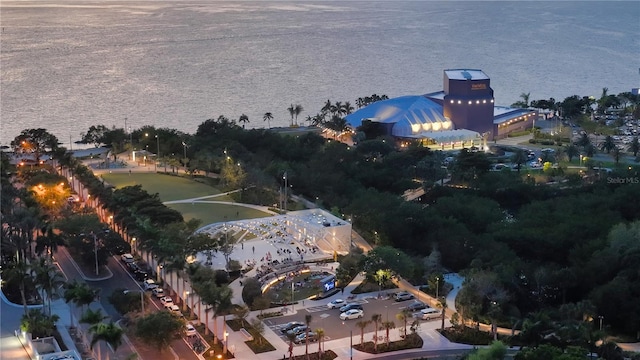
<point>267,117</point>
<point>307,321</point>
<point>571,151</point>
<point>297,110</point>
<point>243,119</point>
<point>519,158</point>
<point>590,150</point>
<point>404,316</point>
<point>584,141</point>
<point>327,107</point>
<point>362,324</point>
<point>92,317</point>
<point>616,153</point>
<point>80,294</point>
<point>443,307</point>
<point>525,99</point>
<point>292,110</point>
<point>109,333</point>
<point>347,108</point>
<point>19,272</point>
<point>47,279</point>
<point>291,337</point>
<point>602,102</point>
<point>320,334</point>
<point>388,325</point>
<point>375,318</point>
<point>608,144</point>
<point>336,109</point>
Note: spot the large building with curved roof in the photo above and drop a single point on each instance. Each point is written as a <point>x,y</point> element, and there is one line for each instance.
<point>463,114</point>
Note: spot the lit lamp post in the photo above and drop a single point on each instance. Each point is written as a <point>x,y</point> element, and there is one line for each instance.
<point>437,286</point>
<point>292,285</point>
<point>284,203</point>
<point>184,303</point>
<point>157,153</point>
<point>135,247</point>
<point>580,160</point>
<point>224,343</point>
<point>600,317</point>
<point>184,146</point>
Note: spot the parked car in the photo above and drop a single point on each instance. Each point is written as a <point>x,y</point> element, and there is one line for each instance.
<point>417,306</point>
<point>166,301</point>
<point>127,258</point>
<point>429,314</point>
<point>190,330</point>
<point>297,330</point>
<point>158,292</point>
<point>149,284</point>
<point>141,275</point>
<point>303,336</point>
<point>352,314</point>
<point>350,307</point>
<point>403,296</point>
<point>175,309</point>
<point>132,267</point>
<point>290,325</point>
<point>335,304</point>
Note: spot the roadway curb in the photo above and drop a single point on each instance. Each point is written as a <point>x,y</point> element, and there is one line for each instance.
<point>84,277</point>
<point>6,301</point>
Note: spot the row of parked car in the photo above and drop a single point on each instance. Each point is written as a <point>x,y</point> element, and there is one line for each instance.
<point>137,270</point>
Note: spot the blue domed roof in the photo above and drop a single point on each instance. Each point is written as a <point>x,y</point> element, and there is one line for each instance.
<point>409,115</point>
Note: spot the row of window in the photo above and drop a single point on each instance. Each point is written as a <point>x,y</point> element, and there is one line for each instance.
<point>470,102</point>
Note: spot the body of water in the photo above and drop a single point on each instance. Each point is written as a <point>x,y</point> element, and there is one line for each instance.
<point>68,65</point>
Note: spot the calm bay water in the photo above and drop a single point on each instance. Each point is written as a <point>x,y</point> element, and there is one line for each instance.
<point>68,65</point>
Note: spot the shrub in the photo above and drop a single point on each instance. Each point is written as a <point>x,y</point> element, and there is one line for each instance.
<point>251,291</point>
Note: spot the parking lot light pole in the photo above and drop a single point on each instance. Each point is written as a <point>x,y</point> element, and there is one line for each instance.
<point>350,341</point>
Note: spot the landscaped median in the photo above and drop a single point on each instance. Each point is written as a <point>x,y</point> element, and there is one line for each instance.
<point>258,344</point>
<point>411,341</point>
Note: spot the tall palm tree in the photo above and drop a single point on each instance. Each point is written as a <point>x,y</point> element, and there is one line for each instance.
<point>47,278</point>
<point>362,324</point>
<point>443,307</point>
<point>291,337</point>
<point>307,321</point>
<point>267,117</point>
<point>320,333</point>
<point>375,318</point>
<point>608,144</point>
<point>616,153</point>
<point>347,108</point>
<point>519,158</point>
<point>297,110</point>
<point>92,317</point>
<point>388,325</point>
<point>19,272</point>
<point>327,107</point>
<point>292,110</point>
<point>525,99</point>
<point>110,333</point>
<point>243,119</point>
<point>404,316</point>
<point>571,151</point>
<point>336,109</point>
<point>80,294</point>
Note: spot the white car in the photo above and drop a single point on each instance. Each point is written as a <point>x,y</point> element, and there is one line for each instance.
<point>174,309</point>
<point>127,258</point>
<point>190,330</point>
<point>429,314</point>
<point>149,284</point>
<point>335,304</point>
<point>352,314</point>
<point>166,301</point>
<point>158,292</point>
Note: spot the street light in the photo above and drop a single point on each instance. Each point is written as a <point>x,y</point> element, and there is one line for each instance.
<point>184,145</point>
<point>437,286</point>
<point>141,299</point>
<point>292,284</point>
<point>157,153</point>
<point>600,317</point>
<point>350,341</point>
<point>184,303</point>
<point>284,177</point>
<point>95,250</point>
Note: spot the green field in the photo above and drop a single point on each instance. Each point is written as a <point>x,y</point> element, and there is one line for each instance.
<point>168,187</point>
<point>212,213</point>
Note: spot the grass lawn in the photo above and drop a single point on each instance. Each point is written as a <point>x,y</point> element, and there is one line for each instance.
<point>168,187</point>
<point>211,213</point>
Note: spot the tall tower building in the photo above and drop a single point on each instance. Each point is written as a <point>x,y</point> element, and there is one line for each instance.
<point>468,101</point>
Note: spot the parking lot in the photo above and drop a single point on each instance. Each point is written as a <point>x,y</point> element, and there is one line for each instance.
<point>334,328</point>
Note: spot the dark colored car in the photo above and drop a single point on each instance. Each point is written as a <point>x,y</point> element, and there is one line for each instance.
<point>297,330</point>
<point>417,306</point>
<point>290,325</point>
<point>132,267</point>
<point>140,275</point>
<point>303,336</point>
<point>350,306</point>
